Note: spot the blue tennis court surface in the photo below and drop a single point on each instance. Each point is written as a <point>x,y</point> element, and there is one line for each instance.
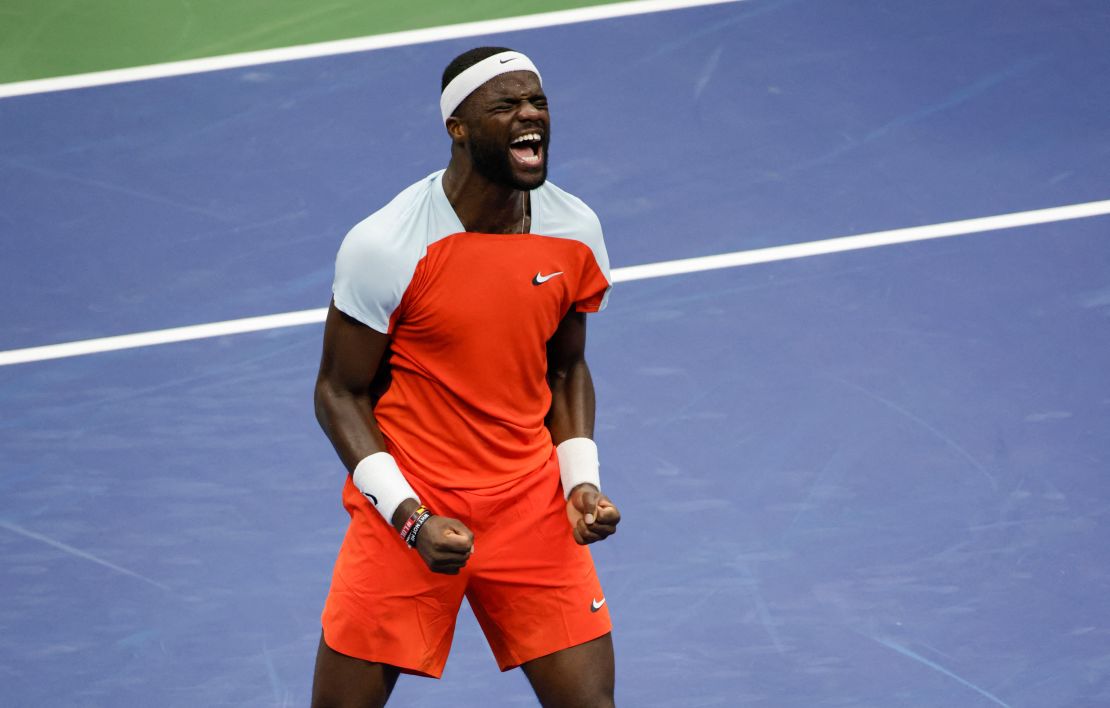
<point>876,478</point>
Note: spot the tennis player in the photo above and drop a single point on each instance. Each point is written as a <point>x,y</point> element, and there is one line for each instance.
<point>453,385</point>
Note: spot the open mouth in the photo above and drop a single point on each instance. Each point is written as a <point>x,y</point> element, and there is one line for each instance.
<point>527,149</point>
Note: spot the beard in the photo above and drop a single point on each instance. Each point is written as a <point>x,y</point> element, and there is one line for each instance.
<point>492,161</point>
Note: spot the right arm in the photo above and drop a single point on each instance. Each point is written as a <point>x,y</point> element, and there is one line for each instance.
<point>351,358</point>
<point>352,355</point>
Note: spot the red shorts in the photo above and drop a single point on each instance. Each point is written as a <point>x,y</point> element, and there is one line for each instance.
<point>532,588</point>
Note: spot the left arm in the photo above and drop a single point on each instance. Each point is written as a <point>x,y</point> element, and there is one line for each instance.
<point>568,377</point>
<point>592,515</point>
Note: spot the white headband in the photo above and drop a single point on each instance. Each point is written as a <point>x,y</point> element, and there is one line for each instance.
<point>469,80</point>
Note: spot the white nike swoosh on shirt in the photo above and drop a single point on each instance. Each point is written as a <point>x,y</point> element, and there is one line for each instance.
<point>540,278</point>
<point>595,605</point>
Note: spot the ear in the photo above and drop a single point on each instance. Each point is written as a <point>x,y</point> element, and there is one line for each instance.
<point>456,129</point>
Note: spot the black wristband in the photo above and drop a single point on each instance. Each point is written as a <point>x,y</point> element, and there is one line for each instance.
<point>416,526</point>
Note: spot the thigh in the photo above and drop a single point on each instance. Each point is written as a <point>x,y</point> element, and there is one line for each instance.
<point>579,677</point>
<point>343,681</point>
<point>385,606</point>
<point>534,591</point>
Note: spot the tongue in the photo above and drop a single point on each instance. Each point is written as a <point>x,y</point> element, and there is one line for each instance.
<point>524,153</point>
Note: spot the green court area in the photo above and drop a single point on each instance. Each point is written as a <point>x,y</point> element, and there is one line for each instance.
<point>44,38</point>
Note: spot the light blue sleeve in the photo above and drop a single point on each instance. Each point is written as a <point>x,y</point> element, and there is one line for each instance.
<point>591,235</point>
<point>372,272</point>
<point>563,215</point>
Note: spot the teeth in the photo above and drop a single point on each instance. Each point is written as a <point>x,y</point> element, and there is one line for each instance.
<point>529,137</point>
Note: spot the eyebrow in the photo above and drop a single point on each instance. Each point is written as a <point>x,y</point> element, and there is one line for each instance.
<point>517,96</point>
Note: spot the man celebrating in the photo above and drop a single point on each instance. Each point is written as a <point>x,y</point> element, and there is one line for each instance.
<point>453,384</point>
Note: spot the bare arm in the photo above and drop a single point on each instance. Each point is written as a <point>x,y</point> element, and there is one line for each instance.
<point>344,399</point>
<point>568,377</point>
<point>349,364</point>
<point>593,516</point>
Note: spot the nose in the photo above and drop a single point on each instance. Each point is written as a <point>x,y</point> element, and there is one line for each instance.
<point>529,111</point>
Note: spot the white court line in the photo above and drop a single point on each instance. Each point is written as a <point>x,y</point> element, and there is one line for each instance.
<point>620,275</point>
<point>162,336</point>
<point>347,46</point>
<point>852,243</point>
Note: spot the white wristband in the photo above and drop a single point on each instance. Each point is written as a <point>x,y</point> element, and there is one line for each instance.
<point>380,480</point>
<point>578,464</point>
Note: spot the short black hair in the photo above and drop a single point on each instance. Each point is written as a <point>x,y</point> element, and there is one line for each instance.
<point>466,60</point>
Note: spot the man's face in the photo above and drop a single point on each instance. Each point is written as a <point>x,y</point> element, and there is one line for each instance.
<point>508,130</point>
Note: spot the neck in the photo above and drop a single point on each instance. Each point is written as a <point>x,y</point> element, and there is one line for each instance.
<point>481,205</point>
